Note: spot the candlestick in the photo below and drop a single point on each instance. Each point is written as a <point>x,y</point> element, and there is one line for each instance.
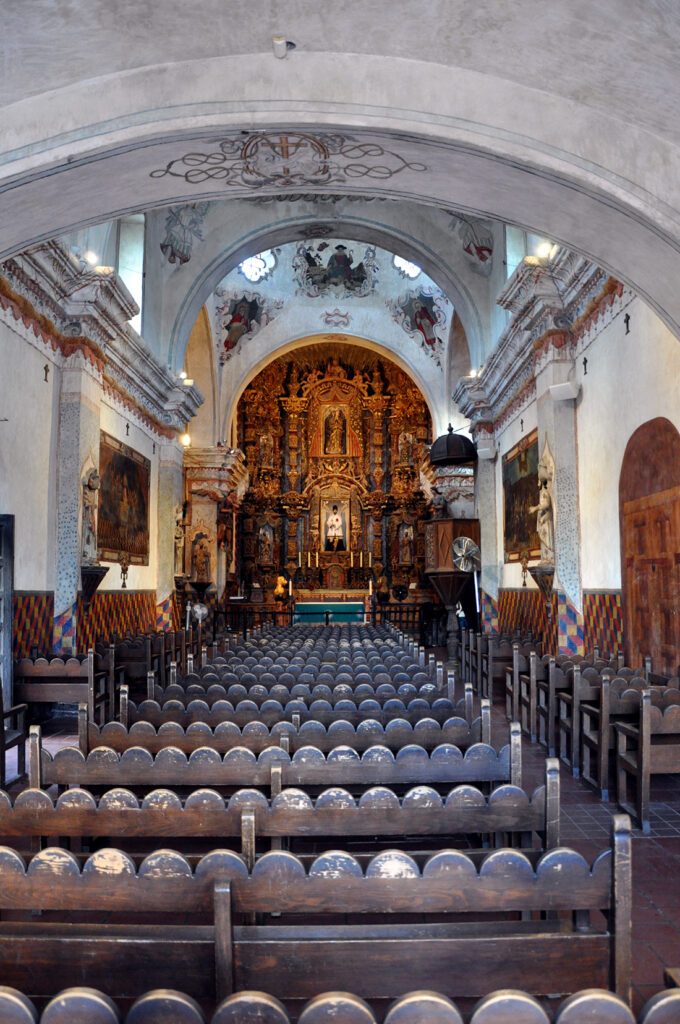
<point>299,559</point>
<point>290,588</point>
<point>370,588</point>
<point>317,559</point>
<point>309,557</point>
<point>351,559</point>
<point>370,559</point>
<point>361,559</point>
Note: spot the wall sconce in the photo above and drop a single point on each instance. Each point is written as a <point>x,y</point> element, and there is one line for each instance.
<point>185,440</point>
<point>124,560</point>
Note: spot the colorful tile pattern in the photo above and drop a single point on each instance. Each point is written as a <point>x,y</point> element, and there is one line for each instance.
<point>603,619</point>
<point>33,624</point>
<point>525,609</point>
<point>120,612</point>
<point>165,615</point>
<point>489,612</point>
<point>569,627</point>
<point>64,632</point>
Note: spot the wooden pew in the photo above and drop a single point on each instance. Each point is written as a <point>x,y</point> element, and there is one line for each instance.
<point>650,748</point>
<point>274,767</point>
<point>223,735</point>
<point>508,815</point>
<point>366,950</point>
<point>71,681</point>
<point>87,1006</point>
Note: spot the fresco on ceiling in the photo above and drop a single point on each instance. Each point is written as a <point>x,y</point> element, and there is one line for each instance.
<point>182,229</point>
<point>423,315</point>
<point>334,268</point>
<point>477,240</point>
<point>240,315</point>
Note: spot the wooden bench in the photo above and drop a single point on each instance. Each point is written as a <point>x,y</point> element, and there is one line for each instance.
<point>221,733</point>
<point>650,748</point>
<point>506,816</point>
<point>497,934</point>
<point>70,681</point>
<point>86,1006</point>
<point>274,767</point>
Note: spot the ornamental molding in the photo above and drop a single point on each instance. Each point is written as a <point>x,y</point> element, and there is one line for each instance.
<point>555,305</point>
<point>56,302</point>
<point>217,473</point>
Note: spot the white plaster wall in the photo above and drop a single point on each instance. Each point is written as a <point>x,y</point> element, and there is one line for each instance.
<point>28,443</point>
<point>631,378</point>
<point>113,421</point>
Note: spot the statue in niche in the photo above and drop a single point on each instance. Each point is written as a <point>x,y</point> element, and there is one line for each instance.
<point>90,497</point>
<point>266,454</point>
<point>335,433</point>
<point>265,543</point>
<point>202,561</point>
<point>405,448</point>
<point>544,518</point>
<point>406,544</point>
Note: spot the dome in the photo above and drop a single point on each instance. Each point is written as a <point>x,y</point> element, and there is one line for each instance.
<point>452,450</point>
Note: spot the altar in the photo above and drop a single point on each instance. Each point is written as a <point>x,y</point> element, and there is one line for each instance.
<point>338,611</point>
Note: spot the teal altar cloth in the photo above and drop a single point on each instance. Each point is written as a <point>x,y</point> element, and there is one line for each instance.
<point>339,611</point>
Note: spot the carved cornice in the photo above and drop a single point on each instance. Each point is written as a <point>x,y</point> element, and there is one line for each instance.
<point>553,305</point>
<point>74,309</point>
<point>218,473</point>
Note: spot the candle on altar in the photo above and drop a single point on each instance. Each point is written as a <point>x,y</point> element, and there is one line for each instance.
<point>351,559</point>
<point>370,587</point>
<point>361,559</point>
<point>370,559</point>
<point>290,588</point>
<point>317,559</point>
<point>299,559</point>
<point>309,559</point>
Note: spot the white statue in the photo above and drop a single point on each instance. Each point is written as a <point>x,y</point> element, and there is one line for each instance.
<point>179,540</point>
<point>91,485</point>
<point>544,519</point>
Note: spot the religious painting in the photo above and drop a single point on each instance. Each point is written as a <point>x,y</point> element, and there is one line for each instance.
<point>334,529</point>
<point>321,267</point>
<point>520,475</point>
<point>335,432</point>
<point>123,522</point>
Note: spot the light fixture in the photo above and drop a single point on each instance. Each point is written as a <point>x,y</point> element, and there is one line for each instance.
<point>188,382</point>
<point>91,257</point>
<point>281,46</point>
<point>543,250</point>
<point>186,440</point>
<point>182,374</point>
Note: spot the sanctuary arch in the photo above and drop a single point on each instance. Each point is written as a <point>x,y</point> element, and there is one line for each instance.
<point>334,436</point>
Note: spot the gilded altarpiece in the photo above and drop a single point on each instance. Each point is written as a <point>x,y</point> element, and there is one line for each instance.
<point>334,437</point>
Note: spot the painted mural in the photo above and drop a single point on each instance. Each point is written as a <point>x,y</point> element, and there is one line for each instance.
<point>423,314</point>
<point>123,521</point>
<point>520,479</point>
<point>322,267</point>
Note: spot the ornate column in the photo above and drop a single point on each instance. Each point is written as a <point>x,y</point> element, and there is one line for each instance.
<point>79,404</point>
<point>170,556</point>
<point>216,478</point>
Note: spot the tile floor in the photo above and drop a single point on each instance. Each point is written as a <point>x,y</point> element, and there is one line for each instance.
<point>585,823</point>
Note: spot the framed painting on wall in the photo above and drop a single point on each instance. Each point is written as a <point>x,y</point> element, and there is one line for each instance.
<point>520,490</point>
<point>123,520</point>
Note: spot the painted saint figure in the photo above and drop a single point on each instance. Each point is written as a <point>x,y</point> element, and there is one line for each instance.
<point>425,323</point>
<point>335,533</point>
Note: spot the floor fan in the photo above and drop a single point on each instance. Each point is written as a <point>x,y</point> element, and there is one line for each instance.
<point>467,558</point>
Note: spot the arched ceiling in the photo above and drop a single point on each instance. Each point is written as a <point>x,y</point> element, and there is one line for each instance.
<point>563,118</point>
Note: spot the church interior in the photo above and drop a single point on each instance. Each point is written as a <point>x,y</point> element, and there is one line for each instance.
<point>339,415</point>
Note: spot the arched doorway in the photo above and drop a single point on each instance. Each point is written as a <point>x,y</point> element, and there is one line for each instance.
<point>649,511</point>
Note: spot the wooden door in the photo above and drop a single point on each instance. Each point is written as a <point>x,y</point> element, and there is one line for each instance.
<point>6,605</point>
<point>651,568</point>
